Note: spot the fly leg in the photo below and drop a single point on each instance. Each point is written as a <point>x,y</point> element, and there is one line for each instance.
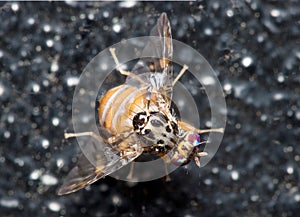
<point>119,68</point>
<point>188,127</point>
<point>182,71</point>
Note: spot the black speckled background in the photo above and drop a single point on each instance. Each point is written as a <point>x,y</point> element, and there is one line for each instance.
<point>254,47</point>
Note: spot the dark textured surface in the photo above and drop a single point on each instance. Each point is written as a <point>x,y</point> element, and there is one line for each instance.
<point>254,47</point>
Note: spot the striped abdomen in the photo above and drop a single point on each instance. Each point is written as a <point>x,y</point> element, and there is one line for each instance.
<point>120,104</point>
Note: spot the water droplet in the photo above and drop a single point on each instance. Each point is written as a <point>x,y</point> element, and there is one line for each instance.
<point>91,16</point>
<point>54,67</point>
<point>9,203</point>
<point>290,170</point>
<point>7,134</point>
<point>227,87</point>
<point>54,206</point>
<point>229,13</point>
<point>47,28</point>
<point>117,27</point>
<point>127,4</point>
<point>19,161</point>
<point>55,121</point>
<point>116,200</point>
<point>280,78</point>
<point>2,90</point>
<point>15,7</point>
<point>35,88</point>
<point>208,31</point>
<point>35,174</point>
<point>48,179</point>
<point>45,143</point>
<point>208,80</point>
<point>275,13</point>
<point>60,163</point>
<point>247,61</point>
<point>235,175</point>
<point>49,43</point>
<point>105,14</point>
<point>72,81</point>
<point>297,197</point>
<point>30,21</point>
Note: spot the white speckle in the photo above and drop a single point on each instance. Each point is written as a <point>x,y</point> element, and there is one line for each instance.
<point>235,175</point>
<point>116,27</point>
<point>60,163</point>
<point>1,53</point>
<point>208,181</point>
<point>127,4</point>
<point>227,87</point>
<point>54,206</point>
<point>55,121</point>
<point>208,31</point>
<point>10,119</point>
<point>104,66</point>
<point>45,143</point>
<point>72,81</point>
<point>105,14</point>
<point>290,170</point>
<point>215,170</point>
<point>297,114</point>
<point>229,167</point>
<point>180,103</point>
<point>54,67</point>
<point>30,21</point>
<point>297,197</point>
<point>254,198</point>
<point>49,180</point>
<point>229,13</point>
<point>7,134</point>
<point>208,124</point>
<point>49,43</point>
<point>263,117</point>
<point>91,16</point>
<point>15,7</point>
<point>19,161</point>
<point>35,174</point>
<point>10,203</point>
<point>36,88</point>
<point>208,80</point>
<point>275,13</point>
<point>280,78</point>
<point>46,83</point>
<point>1,90</point>
<point>116,200</point>
<point>47,28</point>
<point>278,96</point>
<point>247,61</point>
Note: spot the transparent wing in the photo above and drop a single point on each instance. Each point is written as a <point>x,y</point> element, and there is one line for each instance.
<point>161,46</point>
<point>85,173</point>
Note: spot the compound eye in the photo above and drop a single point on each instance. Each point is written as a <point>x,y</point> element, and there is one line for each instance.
<point>193,138</point>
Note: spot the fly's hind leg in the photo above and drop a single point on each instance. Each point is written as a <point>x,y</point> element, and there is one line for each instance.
<point>119,68</point>
<point>166,162</point>
<point>91,134</point>
<point>130,174</point>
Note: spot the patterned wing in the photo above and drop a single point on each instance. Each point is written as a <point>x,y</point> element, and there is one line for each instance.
<point>161,69</point>
<point>85,173</point>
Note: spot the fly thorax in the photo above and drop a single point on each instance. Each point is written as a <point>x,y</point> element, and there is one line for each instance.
<point>155,129</point>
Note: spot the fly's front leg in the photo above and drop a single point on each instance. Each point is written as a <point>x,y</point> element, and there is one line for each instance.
<point>188,127</point>
<point>123,72</point>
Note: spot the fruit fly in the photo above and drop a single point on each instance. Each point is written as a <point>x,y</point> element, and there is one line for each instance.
<point>136,117</point>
